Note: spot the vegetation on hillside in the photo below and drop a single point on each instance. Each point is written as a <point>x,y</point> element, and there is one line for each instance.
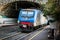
<point>52,8</point>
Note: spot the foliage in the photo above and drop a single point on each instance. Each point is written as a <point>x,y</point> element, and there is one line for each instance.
<point>51,8</point>
<point>57,13</point>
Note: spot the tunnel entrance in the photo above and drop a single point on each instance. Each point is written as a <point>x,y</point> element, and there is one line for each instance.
<point>11,10</point>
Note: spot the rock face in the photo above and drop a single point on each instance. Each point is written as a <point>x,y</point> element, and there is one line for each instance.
<point>4,2</point>
<point>9,1</point>
<point>9,12</point>
<point>56,26</point>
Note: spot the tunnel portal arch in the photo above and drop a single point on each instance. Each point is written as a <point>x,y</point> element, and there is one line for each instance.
<point>11,10</point>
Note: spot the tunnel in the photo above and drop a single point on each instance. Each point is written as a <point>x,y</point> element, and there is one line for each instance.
<point>11,10</point>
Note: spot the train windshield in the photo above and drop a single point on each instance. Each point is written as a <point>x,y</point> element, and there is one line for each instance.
<point>27,14</point>
<point>30,14</point>
<point>24,14</point>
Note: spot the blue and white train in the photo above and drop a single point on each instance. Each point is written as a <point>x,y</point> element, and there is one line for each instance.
<point>30,19</point>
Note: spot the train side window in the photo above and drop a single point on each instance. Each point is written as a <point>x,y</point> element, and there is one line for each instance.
<point>23,13</point>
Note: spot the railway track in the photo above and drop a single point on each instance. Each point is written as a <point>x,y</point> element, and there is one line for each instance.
<point>14,36</point>
<point>10,35</point>
<point>18,36</point>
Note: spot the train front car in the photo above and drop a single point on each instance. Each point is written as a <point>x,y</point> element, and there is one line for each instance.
<point>29,19</point>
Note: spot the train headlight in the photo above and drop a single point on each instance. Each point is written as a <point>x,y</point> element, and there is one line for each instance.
<point>24,26</point>
<point>34,24</point>
<point>18,21</point>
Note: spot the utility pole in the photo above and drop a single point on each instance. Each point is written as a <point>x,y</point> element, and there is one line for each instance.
<point>16,5</point>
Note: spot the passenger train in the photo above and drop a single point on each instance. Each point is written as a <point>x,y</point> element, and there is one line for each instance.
<point>30,19</point>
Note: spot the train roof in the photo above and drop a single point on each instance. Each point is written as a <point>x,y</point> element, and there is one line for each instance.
<point>31,9</point>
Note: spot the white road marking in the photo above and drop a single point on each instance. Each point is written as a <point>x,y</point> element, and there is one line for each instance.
<point>24,36</point>
<point>36,34</point>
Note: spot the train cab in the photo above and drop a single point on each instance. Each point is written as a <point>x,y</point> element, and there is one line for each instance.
<point>29,19</point>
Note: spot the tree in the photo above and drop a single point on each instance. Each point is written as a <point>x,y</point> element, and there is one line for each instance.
<point>52,9</point>
<point>49,7</point>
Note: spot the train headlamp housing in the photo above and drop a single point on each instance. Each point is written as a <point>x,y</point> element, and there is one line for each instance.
<point>18,21</point>
<point>24,26</point>
<point>34,24</point>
